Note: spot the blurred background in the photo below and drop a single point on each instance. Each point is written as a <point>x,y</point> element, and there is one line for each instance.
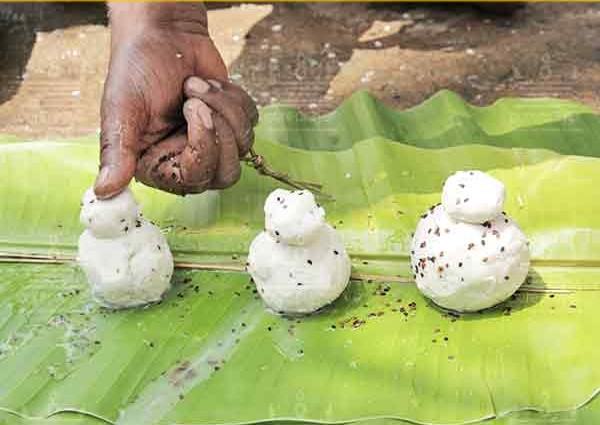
<point>53,56</point>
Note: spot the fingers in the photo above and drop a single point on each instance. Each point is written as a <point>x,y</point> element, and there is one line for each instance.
<point>229,170</point>
<point>218,134</point>
<point>117,157</point>
<point>199,158</point>
<point>229,101</point>
<point>160,162</point>
<point>185,162</point>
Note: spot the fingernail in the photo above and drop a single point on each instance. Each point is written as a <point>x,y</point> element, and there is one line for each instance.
<point>103,177</point>
<point>216,84</point>
<point>206,117</point>
<point>198,85</point>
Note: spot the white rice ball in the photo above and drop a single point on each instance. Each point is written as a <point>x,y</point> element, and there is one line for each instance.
<point>108,218</point>
<point>293,217</point>
<point>468,267</point>
<point>473,196</point>
<point>126,259</point>
<point>295,279</point>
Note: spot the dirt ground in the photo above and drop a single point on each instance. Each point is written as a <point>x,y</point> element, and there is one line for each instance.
<point>53,57</point>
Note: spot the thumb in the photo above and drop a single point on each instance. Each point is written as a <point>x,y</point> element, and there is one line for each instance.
<point>118,157</point>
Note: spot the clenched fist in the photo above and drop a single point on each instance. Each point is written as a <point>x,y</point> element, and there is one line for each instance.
<point>169,116</point>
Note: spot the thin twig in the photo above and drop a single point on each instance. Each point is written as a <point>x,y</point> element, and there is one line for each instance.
<point>258,162</point>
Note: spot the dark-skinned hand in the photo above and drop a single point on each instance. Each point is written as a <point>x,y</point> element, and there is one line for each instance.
<point>169,116</point>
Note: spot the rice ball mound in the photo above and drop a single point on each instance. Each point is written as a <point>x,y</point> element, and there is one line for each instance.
<point>298,278</point>
<point>107,218</point>
<point>131,268</point>
<point>473,196</point>
<point>293,217</point>
<point>466,266</point>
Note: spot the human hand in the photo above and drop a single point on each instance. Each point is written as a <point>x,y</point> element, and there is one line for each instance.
<point>168,114</point>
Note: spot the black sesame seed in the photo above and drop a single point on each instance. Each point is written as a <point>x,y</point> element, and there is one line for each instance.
<point>336,252</point>
<point>460,264</point>
<point>309,262</point>
<point>506,277</point>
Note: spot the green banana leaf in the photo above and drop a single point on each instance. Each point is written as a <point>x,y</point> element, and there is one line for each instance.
<point>210,353</point>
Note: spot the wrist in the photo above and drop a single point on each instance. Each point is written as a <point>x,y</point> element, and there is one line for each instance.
<point>132,18</point>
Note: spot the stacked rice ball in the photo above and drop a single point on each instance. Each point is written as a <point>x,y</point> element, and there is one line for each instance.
<point>467,254</point>
<point>126,258</point>
<point>298,262</point>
